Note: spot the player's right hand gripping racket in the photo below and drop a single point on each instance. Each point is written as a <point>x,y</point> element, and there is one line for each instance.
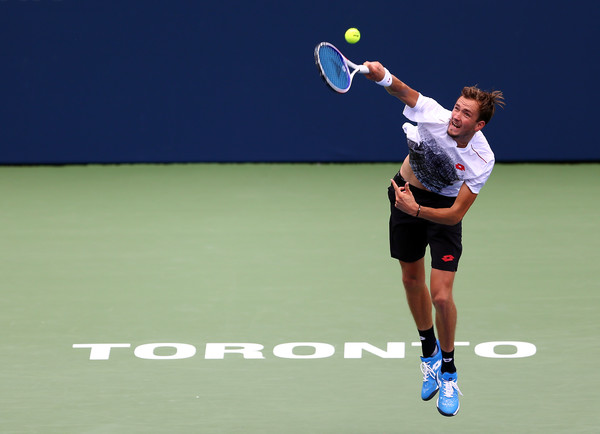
<point>335,68</point>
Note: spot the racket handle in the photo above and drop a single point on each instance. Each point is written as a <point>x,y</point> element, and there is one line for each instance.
<point>358,68</point>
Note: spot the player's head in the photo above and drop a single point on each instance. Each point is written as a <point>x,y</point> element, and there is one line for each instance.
<point>472,111</point>
<point>487,101</point>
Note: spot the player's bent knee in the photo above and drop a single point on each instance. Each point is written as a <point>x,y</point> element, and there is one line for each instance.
<point>442,300</point>
<point>413,275</point>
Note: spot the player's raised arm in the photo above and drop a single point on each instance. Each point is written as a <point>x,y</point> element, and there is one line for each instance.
<point>395,87</point>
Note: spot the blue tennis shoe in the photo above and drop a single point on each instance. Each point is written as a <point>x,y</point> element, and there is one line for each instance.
<point>447,402</point>
<point>430,367</point>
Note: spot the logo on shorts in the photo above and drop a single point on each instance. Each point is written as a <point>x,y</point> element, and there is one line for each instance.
<point>447,258</point>
<point>460,167</point>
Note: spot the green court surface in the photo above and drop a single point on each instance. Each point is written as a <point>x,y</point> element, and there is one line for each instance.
<point>236,293</point>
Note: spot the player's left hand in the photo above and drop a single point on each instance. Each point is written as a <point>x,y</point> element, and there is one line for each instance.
<point>405,201</point>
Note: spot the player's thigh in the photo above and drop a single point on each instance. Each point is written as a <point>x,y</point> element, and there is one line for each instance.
<point>441,284</point>
<point>445,244</point>
<point>408,236</point>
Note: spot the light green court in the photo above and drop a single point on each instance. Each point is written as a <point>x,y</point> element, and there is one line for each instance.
<point>282,269</point>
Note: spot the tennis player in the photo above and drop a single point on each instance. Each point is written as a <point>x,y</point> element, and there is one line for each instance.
<point>448,162</point>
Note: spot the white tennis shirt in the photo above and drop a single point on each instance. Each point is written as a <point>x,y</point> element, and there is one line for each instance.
<point>435,158</point>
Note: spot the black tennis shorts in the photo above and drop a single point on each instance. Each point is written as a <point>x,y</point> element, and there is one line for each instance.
<point>410,236</point>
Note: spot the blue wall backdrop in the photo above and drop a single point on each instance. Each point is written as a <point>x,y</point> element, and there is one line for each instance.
<point>104,81</point>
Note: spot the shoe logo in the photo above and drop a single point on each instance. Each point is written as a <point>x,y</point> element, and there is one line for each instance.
<point>447,258</point>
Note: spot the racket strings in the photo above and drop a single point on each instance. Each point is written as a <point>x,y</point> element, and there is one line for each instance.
<point>334,67</point>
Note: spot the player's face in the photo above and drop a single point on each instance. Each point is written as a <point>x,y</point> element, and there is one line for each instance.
<point>463,121</point>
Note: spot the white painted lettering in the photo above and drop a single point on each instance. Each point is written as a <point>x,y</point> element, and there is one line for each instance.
<point>299,350</point>
<point>488,349</point>
<point>182,351</point>
<point>321,350</point>
<point>456,344</point>
<point>354,350</point>
<point>100,351</point>
<point>218,350</point>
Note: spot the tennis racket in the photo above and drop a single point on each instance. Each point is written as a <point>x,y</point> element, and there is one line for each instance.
<point>335,68</point>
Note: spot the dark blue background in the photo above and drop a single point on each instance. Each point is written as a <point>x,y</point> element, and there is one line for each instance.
<point>99,81</point>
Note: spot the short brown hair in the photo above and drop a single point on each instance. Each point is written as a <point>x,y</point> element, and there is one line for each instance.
<point>487,101</point>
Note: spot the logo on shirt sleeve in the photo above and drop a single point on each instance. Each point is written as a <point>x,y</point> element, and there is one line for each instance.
<point>460,167</point>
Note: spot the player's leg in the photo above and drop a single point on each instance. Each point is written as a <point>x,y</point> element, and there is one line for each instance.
<point>446,249</point>
<point>445,244</point>
<point>408,244</point>
<point>419,303</point>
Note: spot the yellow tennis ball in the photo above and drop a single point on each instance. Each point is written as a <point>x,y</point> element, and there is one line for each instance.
<point>352,35</point>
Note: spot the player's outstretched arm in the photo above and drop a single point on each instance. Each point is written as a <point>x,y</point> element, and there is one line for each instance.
<point>398,88</point>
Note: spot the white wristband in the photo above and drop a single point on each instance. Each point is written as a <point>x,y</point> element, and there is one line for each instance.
<point>387,79</point>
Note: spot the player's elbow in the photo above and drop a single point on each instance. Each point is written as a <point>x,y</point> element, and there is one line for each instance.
<point>456,214</point>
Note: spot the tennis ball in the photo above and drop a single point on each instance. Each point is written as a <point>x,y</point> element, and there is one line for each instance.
<point>352,35</point>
